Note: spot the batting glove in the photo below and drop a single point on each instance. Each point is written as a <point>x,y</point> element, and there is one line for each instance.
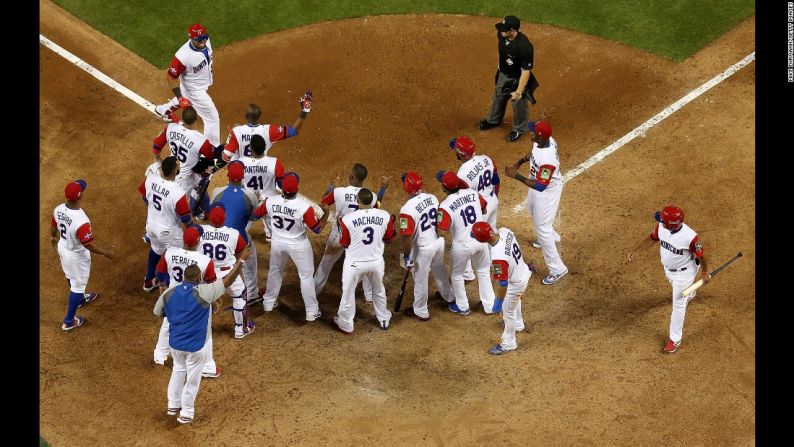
<point>184,103</point>
<point>306,101</point>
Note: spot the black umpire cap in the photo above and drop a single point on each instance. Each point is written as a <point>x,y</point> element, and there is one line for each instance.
<point>508,23</point>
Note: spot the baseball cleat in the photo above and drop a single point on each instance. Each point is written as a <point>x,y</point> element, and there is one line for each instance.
<point>184,420</point>
<point>552,279</point>
<point>173,411</point>
<point>87,298</point>
<point>670,347</point>
<point>536,244</point>
<point>409,312</point>
<point>150,285</point>
<point>212,375</point>
<point>454,308</point>
<point>485,125</point>
<point>513,136</point>
<point>384,325</point>
<point>146,239</point>
<point>163,113</point>
<point>76,323</point>
<point>251,327</point>
<point>336,322</point>
<point>275,305</point>
<point>160,362</point>
<point>499,350</point>
<point>314,317</point>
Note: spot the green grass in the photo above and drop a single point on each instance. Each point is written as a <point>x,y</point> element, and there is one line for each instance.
<point>42,443</point>
<point>153,28</point>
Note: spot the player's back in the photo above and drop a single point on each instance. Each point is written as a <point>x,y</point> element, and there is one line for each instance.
<point>243,134</point>
<point>346,200</point>
<point>507,257</point>
<point>367,229</point>
<point>163,196</point>
<point>479,173</point>
<point>546,156</point>
<point>463,208</point>
<point>178,259</point>
<point>260,175</point>
<point>238,203</point>
<point>73,227</point>
<point>219,244</point>
<point>423,211</point>
<point>185,145</point>
<point>287,217</point>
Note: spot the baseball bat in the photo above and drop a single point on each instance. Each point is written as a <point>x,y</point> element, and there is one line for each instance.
<point>399,301</point>
<point>201,195</point>
<point>699,282</point>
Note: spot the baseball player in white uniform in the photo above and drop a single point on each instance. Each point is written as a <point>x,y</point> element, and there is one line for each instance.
<point>511,274</point>
<point>188,145</point>
<point>543,197</point>
<point>167,212</point>
<point>291,216</point>
<point>480,173</point>
<point>457,214</point>
<point>364,232</point>
<point>223,244</point>
<point>422,247</point>
<point>238,143</point>
<point>189,76</point>
<point>681,252</point>
<point>345,199</point>
<point>262,173</point>
<point>72,236</point>
<point>171,271</point>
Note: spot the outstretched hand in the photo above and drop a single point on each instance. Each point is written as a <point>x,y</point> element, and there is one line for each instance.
<point>511,171</point>
<point>384,181</point>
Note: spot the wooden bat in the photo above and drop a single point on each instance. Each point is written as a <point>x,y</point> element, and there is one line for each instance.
<point>699,282</point>
<point>399,301</point>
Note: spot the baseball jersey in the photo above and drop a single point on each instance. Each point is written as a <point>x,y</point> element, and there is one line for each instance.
<point>544,164</point>
<point>677,249</point>
<point>73,227</point>
<point>238,203</point>
<point>459,211</point>
<point>289,217</point>
<point>187,145</point>
<point>364,232</point>
<point>238,143</point>
<point>193,65</point>
<point>167,203</point>
<point>419,217</point>
<point>222,244</point>
<point>345,199</point>
<point>480,173</point>
<point>172,265</point>
<point>506,260</point>
<point>261,174</point>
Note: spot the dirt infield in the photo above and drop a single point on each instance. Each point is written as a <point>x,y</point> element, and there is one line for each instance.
<point>390,94</point>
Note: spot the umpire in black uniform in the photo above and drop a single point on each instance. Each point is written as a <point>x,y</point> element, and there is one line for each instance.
<point>514,78</point>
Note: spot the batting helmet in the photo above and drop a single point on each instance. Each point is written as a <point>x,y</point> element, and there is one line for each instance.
<point>197,31</point>
<point>218,215</point>
<point>464,145</point>
<point>482,231</point>
<point>541,128</point>
<point>671,216</point>
<point>412,182</point>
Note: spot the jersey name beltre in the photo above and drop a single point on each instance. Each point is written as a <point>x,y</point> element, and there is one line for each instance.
<point>421,206</point>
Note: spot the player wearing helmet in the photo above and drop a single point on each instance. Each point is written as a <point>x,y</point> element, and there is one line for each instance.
<point>681,252</point>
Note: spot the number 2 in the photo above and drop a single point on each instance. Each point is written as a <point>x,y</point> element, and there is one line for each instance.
<point>63,230</point>
<point>429,219</point>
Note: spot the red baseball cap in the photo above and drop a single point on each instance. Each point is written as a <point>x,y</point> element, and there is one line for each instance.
<point>192,235</point>
<point>541,129</point>
<point>217,216</point>
<point>74,190</point>
<point>482,231</point>
<point>450,180</point>
<point>236,171</point>
<point>289,183</point>
<point>464,145</point>
<point>197,31</point>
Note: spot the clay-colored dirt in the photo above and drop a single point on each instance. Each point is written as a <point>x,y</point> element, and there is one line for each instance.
<point>390,92</point>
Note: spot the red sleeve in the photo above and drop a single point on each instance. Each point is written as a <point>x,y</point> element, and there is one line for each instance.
<point>344,241</point>
<point>53,222</point>
<point>445,222</point>
<point>182,207</point>
<point>390,233</point>
<point>407,225</point>
<point>159,142</point>
<point>240,245</point>
<point>499,270</point>
<point>483,203</point>
<point>142,188</point>
<point>84,234</point>
<point>162,266</point>
<point>279,169</point>
<point>209,273</point>
<point>207,149</point>
<point>278,133</point>
<point>260,211</point>
<point>232,146</point>
<point>176,68</point>
<point>310,219</point>
<point>655,233</point>
<point>328,198</point>
<point>544,174</point>
<point>696,247</point>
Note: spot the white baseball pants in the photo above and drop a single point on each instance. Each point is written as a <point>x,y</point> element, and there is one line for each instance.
<point>250,273</point>
<point>429,258</point>
<point>542,205</point>
<point>205,109</point>
<point>185,380</point>
<point>163,348</point>
<point>352,273</point>
<point>511,313</point>
<point>301,254</point>
<point>334,251</point>
<point>480,257</point>
<point>76,267</point>
<point>161,240</point>
<point>237,291</point>
<point>680,281</point>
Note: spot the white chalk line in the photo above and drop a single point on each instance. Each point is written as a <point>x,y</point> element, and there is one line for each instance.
<point>656,119</point>
<point>110,82</point>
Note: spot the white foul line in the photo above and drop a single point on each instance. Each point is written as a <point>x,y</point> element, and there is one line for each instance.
<point>656,119</point>
<point>107,80</point>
